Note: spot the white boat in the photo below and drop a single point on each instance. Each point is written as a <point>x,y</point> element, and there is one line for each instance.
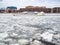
<point>25,12</point>
<point>41,13</point>
<point>35,12</point>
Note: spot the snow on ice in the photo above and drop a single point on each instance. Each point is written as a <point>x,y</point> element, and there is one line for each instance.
<point>14,28</point>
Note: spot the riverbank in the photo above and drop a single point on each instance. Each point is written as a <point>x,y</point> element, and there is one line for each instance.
<point>48,14</point>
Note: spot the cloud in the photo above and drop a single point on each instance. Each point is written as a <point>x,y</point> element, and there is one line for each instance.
<point>23,3</point>
<point>1,0</point>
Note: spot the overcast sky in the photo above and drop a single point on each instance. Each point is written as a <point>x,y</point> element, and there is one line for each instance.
<point>23,3</point>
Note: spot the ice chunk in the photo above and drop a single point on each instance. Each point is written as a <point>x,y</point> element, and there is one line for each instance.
<point>57,36</point>
<point>37,36</point>
<point>14,35</point>
<point>23,41</point>
<point>2,44</point>
<point>36,42</point>
<point>14,44</point>
<point>3,35</point>
<point>47,36</point>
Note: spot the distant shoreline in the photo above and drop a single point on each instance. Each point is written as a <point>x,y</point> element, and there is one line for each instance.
<point>17,14</point>
<point>27,13</point>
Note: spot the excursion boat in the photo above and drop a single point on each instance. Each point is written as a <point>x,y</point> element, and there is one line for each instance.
<point>25,12</point>
<point>41,13</point>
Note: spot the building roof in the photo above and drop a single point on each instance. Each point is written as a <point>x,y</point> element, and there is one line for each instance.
<point>11,7</point>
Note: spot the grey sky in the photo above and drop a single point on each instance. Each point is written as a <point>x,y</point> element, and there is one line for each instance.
<point>23,3</point>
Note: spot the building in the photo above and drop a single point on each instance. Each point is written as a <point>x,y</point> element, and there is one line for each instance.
<point>36,9</point>
<point>56,10</point>
<point>2,10</point>
<point>22,9</point>
<point>11,9</point>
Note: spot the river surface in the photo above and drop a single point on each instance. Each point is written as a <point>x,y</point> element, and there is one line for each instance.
<point>26,26</point>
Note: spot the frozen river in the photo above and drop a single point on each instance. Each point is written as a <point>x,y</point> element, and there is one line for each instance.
<point>27,26</point>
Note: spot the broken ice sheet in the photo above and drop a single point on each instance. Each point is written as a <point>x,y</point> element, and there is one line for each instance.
<point>3,35</point>
<point>47,36</point>
<point>27,26</point>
